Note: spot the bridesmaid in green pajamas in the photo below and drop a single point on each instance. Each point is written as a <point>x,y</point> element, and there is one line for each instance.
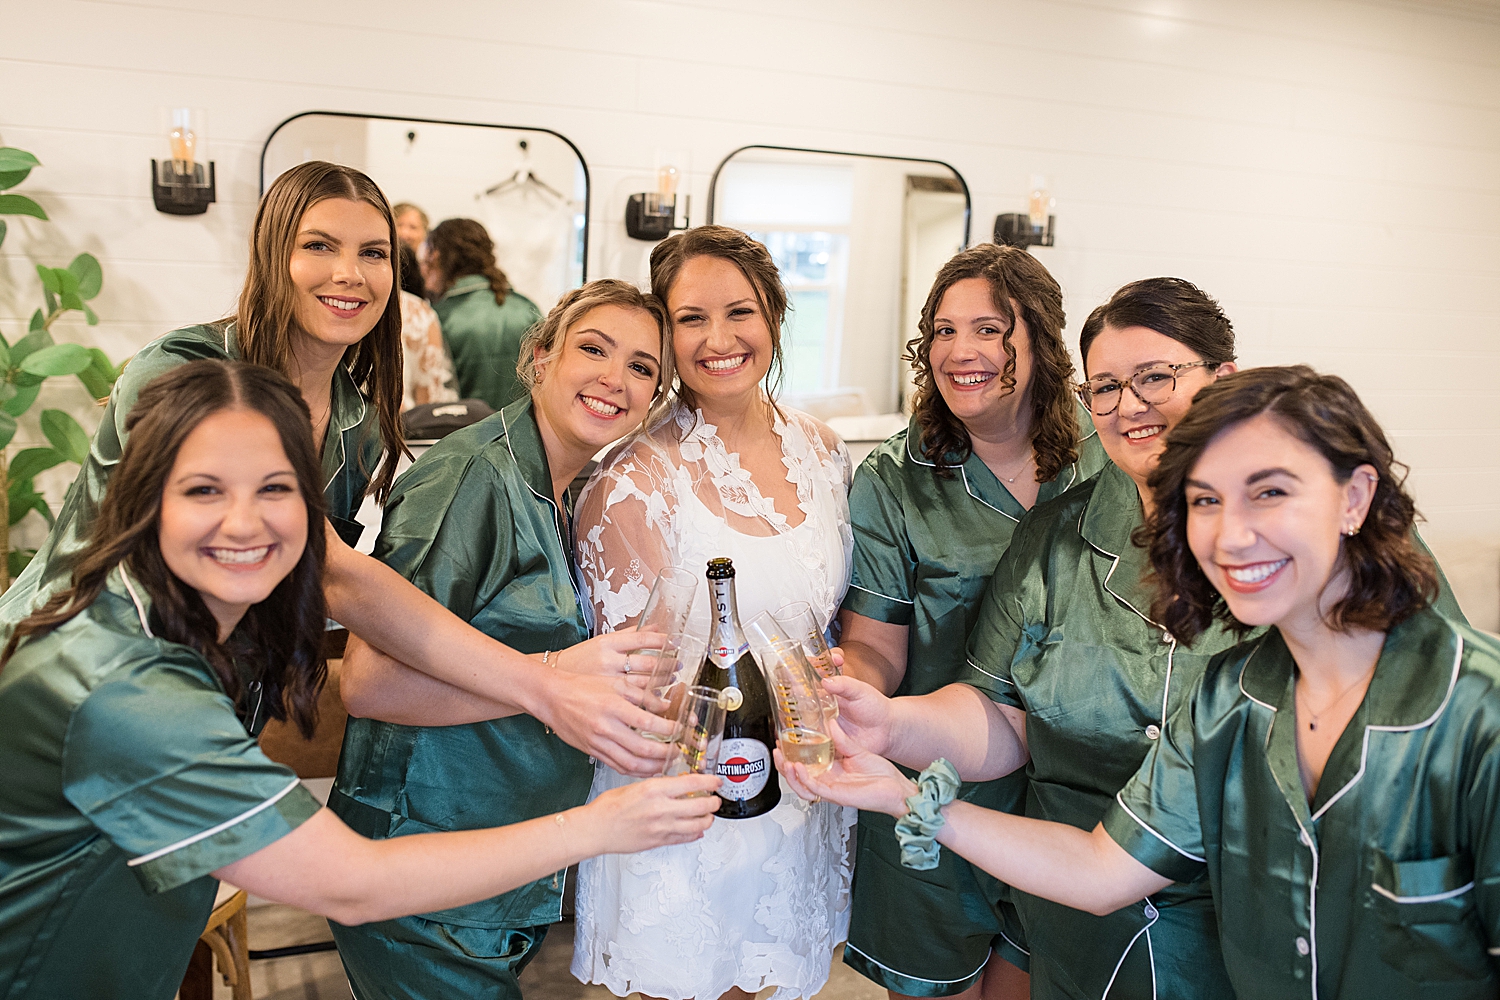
<point>480,523</point>
<point>319,306</point>
<point>1335,780</point>
<point>130,702</point>
<point>995,431</point>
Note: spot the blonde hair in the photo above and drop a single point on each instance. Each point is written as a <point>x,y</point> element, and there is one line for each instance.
<point>549,333</point>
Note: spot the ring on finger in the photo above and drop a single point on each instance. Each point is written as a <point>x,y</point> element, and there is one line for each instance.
<point>627,663</point>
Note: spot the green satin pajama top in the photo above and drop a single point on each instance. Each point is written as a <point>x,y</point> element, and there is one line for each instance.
<point>1388,883</point>
<point>351,452</point>
<point>485,338</point>
<point>128,778</point>
<point>1063,635</point>
<point>473,524</point>
<point>924,549</point>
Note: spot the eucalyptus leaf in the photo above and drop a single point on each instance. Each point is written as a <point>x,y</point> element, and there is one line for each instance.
<point>50,281</point>
<point>12,158</point>
<point>67,281</point>
<point>50,301</point>
<point>99,377</point>
<point>66,436</point>
<point>70,300</point>
<point>10,178</point>
<point>39,504</point>
<point>85,267</point>
<point>7,429</point>
<point>19,560</point>
<point>4,355</point>
<point>29,461</point>
<point>38,322</point>
<point>90,315</point>
<point>22,501</point>
<point>59,359</point>
<point>3,227</point>
<point>7,391</point>
<point>24,397</point>
<point>19,204</point>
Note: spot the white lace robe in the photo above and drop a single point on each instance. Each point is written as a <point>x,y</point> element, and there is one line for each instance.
<point>760,902</point>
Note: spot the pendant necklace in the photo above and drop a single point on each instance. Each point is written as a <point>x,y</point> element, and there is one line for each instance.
<point>1024,464</point>
<point>1312,722</point>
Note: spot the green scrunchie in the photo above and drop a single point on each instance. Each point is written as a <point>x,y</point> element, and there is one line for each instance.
<point>936,787</point>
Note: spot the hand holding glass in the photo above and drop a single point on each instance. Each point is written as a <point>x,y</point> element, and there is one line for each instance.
<point>699,734</point>
<point>801,723</point>
<point>672,667</point>
<point>670,602</point>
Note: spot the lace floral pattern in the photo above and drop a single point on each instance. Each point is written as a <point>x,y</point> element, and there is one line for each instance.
<point>756,903</point>
<point>426,370</point>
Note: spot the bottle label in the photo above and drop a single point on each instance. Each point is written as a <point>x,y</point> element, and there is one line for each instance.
<point>744,768</point>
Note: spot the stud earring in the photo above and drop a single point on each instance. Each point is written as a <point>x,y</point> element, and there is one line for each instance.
<point>1351,531</point>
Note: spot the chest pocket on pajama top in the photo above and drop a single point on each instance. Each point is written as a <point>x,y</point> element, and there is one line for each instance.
<point>1429,929</point>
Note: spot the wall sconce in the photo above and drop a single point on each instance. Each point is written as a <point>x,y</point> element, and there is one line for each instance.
<point>652,215</point>
<point>183,185</point>
<point>1032,228</point>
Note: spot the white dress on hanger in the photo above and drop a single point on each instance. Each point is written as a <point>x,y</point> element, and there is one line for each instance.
<point>760,902</point>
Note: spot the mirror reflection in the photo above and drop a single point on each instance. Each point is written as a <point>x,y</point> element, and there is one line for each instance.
<point>527,187</point>
<point>858,240</point>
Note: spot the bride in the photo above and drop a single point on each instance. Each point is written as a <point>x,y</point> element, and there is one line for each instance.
<point>759,902</point>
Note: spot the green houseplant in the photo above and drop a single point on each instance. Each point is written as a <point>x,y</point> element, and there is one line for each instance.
<point>36,357</point>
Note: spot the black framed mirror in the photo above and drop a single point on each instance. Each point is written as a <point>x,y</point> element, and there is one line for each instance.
<point>858,238</point>
<point>528,186</point>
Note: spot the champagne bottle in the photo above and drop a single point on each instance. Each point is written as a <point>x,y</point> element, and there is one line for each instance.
<point>747,778</point>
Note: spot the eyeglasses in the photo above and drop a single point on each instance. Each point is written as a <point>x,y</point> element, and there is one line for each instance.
<point>1151,385</point>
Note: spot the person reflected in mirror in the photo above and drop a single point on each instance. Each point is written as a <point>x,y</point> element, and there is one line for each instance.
<point>426,371</point>
<point>411,225</point>
<point>319,305</point>
<point>483,318</point>
<point>725,472</point>
<point>995,429</point>
<point>480,522</point>
<point>1333,781</point>
<point>131,701</point>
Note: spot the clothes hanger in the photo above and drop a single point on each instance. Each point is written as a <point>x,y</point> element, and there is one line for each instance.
<point>523,181</point>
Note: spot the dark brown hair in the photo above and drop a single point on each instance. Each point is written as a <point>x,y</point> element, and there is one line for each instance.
<point>754,262</point>
<point>1173,307</point>
<point>1389,578</point>
<point>1014,276</point>
<point>464,247</point>
<point>266,319</point>
<point>281,638</point>
<point>550,332</point>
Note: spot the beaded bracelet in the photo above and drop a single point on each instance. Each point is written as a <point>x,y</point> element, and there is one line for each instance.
<point>936,787</point>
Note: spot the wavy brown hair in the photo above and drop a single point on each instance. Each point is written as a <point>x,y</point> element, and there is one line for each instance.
<point>752,259</point>
<point>281,638</point>
<point>266,320</point>
<point>1016,279</point>
<point>550,332</point>
<point>464,247</point>
<point>1389,578</point>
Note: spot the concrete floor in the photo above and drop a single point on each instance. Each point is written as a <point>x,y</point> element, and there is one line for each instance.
<point>321,977</point>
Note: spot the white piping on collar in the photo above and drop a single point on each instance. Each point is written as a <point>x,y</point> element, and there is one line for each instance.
<point>140,609</point>
<point>1364,752</point>
<point>1258,644</point>
<point>343,451</point>
<point>888,597</point>
<point>969,489</point>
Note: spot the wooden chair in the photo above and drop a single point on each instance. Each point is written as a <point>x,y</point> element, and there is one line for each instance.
<point>226,938</point>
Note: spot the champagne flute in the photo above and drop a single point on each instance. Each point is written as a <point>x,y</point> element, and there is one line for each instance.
<point>794,623</point>
<point>670,603</point>
<point>801,720</point>
<point>672,667</point>
<point>700,733</point>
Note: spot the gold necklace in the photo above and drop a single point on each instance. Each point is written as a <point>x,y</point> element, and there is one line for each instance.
<point>1312,723</point>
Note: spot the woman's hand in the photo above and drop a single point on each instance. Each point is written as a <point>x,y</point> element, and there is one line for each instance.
<point>652,813</point>
<point>608,655</point>
<point>864,713</point>
<point>857,778</point>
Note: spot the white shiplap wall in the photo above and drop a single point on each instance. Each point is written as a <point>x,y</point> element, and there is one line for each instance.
<point>1330,169</point>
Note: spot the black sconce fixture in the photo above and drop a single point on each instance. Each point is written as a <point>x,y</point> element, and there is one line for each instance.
<point>1016,230</point>
<point>652,215</point>
<point>182,185</point>
<point>1032,228</point>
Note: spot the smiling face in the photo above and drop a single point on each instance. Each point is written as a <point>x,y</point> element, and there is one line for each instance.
<point>721,337</point>
<point>968,355</point>
<point>341,269</point>
<point>1266,517</point>
<point>233,521</point>
<point>1135,433</point>
<point>600,383</point>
